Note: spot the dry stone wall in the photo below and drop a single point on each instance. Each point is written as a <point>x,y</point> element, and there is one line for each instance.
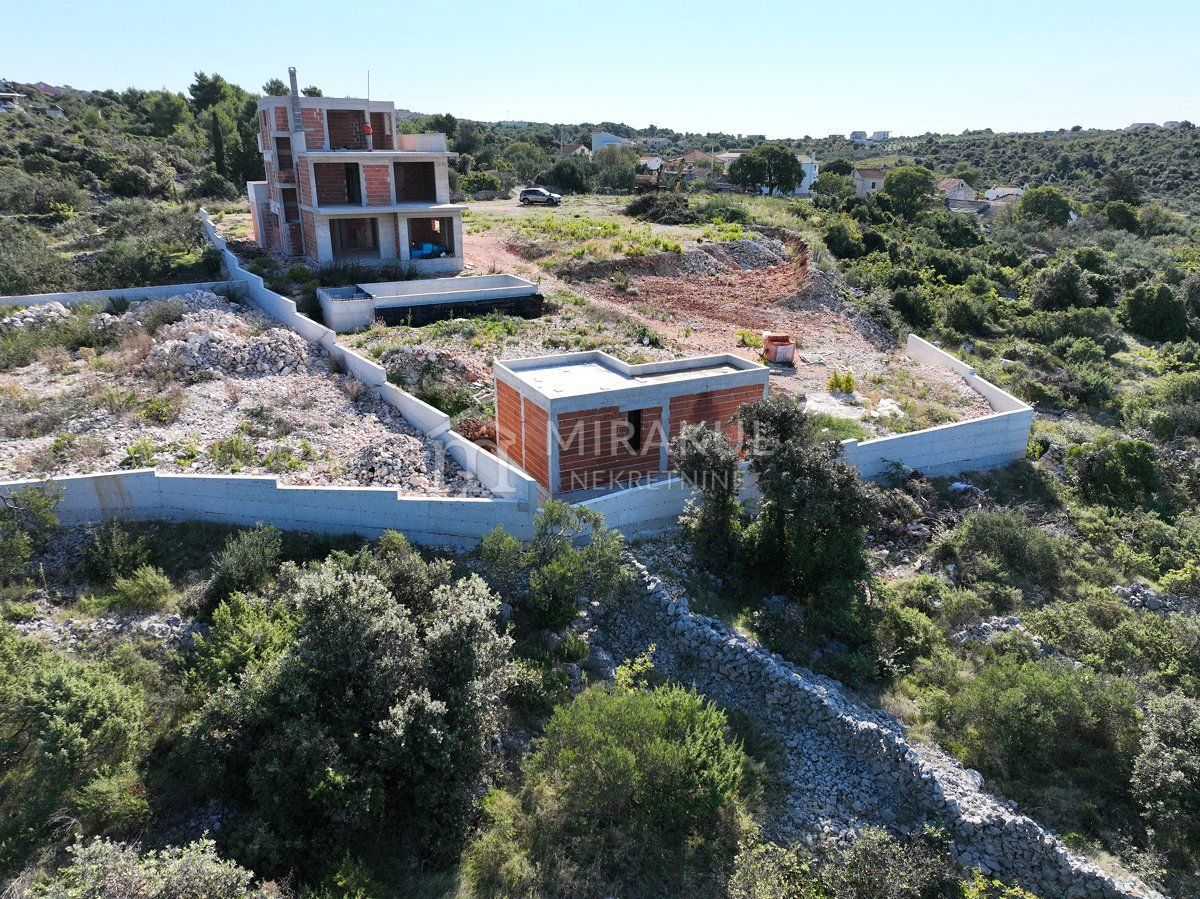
<point>846,766</point>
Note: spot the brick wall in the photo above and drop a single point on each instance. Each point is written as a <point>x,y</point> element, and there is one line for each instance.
<point>537,447</point>
<point>416,181</point>
<point>381,134</point>
<point>594,448</point>
<point>303,184</point>
<point>716,407</point>
<point>313,121</point>
<point>345,130</point>
<point>308,227</point>
<point>509,426</point>
<point>379,186</point>
<point>331,183</point>
<point>264,127</point>
<point>281,119</point>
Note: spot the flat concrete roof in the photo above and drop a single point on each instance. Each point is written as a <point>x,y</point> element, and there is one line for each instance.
<point>571,381</point>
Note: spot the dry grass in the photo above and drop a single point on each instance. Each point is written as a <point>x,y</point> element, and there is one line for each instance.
<point>55,358</point>
<point>233,391</point>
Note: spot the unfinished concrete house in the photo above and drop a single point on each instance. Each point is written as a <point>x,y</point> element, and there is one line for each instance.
<point>585,423</point>
<point>343,185</point>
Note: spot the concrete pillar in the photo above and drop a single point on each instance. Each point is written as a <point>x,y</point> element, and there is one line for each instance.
<point>402,239</point>
<point>387,236</point>
<point>441,176</point>
<point>456,224</point>
<point>324,241</point>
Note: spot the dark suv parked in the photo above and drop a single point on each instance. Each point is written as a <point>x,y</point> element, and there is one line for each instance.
<point>539,195</point>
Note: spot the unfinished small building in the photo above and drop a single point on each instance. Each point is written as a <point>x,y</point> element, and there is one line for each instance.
<point>584,423</point>
<point>343,185</point>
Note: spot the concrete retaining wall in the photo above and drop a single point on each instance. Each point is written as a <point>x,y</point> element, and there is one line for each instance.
<point>980,443</point>
<point>148,495</point>
<point>102,297</point>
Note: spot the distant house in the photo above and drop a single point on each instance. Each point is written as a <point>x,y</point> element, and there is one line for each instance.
<point>1172,125</point>
<point>577,150</point>
<point>652,163</point>
<point>603,139</point>
<point>955,189</point>
<point>49,110</point>
<point>858,135</point>
<point>655,143</point>
<point>867,181</point>
<point>1143,126</point>
<point>727,158</point>
<point>49,89</point>
<point>10,102</point>
<point>998,193</point>
<point>880,135</point>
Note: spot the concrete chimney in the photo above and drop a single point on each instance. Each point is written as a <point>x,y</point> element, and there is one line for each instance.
<point>298,140</point>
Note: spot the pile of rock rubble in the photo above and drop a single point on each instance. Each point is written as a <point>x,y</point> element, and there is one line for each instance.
<point>1141,596</point>
<point>72,634</point>
<point>32,317</point>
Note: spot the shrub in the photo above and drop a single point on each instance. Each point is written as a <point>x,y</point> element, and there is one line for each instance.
<point>1002,544</point>
<point>140,454</point>
<point>664,208</point>
<point>1047,205</point>
<point>146,589</point>
<point>711,465</point>
<point>246,563</point>
<point>112,552</point>
<point>841,382</point>
<point>631,791</point>
<point>875,865</point>
<point>311,775</point>
<point>478,182</point>
<point>244,632</point>
<point>746,337</point>
<point>723,209</point>
<point>106,869</point>
<point>114,805</point>
<point>1061,287</point>
<point>809,534</point>
<point>964,311</point>
<point>1184,581</point>
<point>1018,717</point>
<point>232,453</point>
<point>1120,472</point>
<point>844,239</point>
<point>26,519</point>
<point>1155,312</point>
<point>160,313</point>
<point>1166,774</point>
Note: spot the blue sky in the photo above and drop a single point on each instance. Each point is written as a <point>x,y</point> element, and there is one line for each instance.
<point>770,66</point>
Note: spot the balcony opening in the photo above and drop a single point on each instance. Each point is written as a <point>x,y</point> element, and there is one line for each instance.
<point>416,182</point>
<point>382,131</point>
<point>430,238</point>
<point>283,154</point>
<point>354,238</point>
<point>338,184</point>
<point>634,420</point>
<point>346,129</point>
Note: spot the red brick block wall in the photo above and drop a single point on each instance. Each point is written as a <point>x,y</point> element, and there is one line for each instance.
<point>379,186</point>
<point>308,227</point>
<point>537,447</point>
<point>313,122</point>
<point>303,185</point>
<point>345,129</point>
<point>381,135</point>
<point>594,448</point>
<point>716,407</point>
<point>281,119</point>
<point>509,426</point>
<point>331,183</point>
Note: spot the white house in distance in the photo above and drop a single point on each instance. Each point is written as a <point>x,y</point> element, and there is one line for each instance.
<point>956,189</point>
<point>880,135</point>
<point>656,143</point>
<point>811,169</point>
<point>867,181</point>
<point>603,139</point>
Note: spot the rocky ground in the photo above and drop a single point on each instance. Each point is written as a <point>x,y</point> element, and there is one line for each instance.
<point>200,384</point>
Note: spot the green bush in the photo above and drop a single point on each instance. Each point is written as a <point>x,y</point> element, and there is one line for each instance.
<point>663,208</point>
<point>244,632</point>
<point>710,463</point>
<point>1166,775</point>
<point>114,805</point>
<point>1155,312</point>
<point>232,453</point>
<point>1184,581</point>
<point>110,870</point>
<point>478,182</point>
<point>112,552</point>
<point>1061,287</point>
<point>146,589</point>
<point>1004,544</point>
<point>246,563</point>
<point>631,792</point>
<point>27,520</point>
<point>140,454</point>
<point>1115,472</point>
<point>1018,718</point>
